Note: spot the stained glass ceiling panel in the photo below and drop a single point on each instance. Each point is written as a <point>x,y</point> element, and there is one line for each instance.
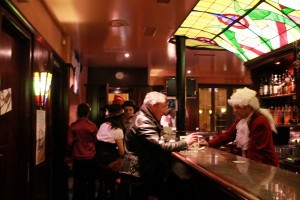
<point>247,28</point>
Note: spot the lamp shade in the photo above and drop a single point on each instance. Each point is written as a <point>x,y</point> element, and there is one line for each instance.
<point>41,84</point>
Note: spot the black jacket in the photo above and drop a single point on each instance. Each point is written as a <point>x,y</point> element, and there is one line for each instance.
<point>143,139</point>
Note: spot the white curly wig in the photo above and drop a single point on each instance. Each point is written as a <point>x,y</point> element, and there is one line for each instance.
<point>244,97</point>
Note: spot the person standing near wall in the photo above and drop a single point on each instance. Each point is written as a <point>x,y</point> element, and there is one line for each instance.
<point>81,153</point>
<point>169,118</point>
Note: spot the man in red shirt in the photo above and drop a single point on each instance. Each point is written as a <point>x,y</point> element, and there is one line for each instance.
<point>252,129</point>
<point>81,152</point>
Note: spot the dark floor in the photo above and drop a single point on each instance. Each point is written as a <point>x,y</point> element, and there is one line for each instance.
<point>105,194</point>
<point>70,187</point>
<point>175,189</point>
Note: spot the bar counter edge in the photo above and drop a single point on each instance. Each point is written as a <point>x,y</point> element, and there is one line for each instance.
<point>235,176</point>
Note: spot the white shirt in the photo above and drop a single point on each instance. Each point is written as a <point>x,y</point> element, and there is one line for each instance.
<point>242,135</point>
<point>168,121</point>
<point>107,134</point>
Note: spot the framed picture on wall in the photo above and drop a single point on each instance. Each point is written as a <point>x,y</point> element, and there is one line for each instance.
<point>40,136</point>
<point>76,65</point>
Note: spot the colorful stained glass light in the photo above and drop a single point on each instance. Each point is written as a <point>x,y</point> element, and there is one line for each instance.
<point>248,28</point>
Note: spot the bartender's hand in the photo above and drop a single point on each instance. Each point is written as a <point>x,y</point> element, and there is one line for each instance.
<point>191,139</point>
<point>203,142</point>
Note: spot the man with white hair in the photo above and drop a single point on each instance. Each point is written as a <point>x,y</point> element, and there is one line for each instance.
<point>252,129</point>
<point>145,162</point>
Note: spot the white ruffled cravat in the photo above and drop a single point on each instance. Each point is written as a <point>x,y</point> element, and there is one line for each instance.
<point>242,135</point>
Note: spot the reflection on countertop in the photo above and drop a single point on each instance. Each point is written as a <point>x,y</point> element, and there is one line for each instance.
<point>247,178</point>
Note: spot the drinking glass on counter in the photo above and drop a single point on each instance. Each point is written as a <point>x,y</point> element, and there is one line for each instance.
<point>169,134</point>
<point>195,146</point>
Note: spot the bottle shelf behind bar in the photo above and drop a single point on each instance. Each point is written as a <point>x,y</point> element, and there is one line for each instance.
<point>278,96</point>
<point>283,108</point>
<point>277,84</point>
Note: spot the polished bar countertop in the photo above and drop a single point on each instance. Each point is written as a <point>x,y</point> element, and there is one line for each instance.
<point>246,178</point>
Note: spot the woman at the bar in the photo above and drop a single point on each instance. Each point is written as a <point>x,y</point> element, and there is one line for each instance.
<point>110,148</point>
<point>252,129</point>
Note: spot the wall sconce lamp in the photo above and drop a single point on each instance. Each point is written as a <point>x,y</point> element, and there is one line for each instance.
<point>41,83</point>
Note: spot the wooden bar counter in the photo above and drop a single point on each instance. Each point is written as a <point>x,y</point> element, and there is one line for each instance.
<point>216,174</point>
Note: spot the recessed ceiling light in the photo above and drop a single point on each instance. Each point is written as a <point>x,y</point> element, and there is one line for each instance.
<point>119,75</point>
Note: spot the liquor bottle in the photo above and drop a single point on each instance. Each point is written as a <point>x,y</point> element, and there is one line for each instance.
<point>275,115</point>
<point>290,83</point>
<point>279,90</point>
<point>286,114</point>
<point>275,84</point>
<point>295,114</point>
<point>271,80</point>
<point>291,120</point>
<point>279,115</point>
<point>266,87</point>
<point>293,85</point>
<point>284,83</point>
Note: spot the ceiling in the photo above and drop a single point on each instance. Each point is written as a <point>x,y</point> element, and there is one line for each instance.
<point>103,30</point>
<point>248,28</point>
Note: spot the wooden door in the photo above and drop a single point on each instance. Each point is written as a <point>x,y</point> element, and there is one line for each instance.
<point>15,112</point>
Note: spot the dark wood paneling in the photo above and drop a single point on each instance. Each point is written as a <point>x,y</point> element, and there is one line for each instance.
<point>15,138</point>
<point>192,114</point>
<point>97,97</point>
<point>23,51</point>
<point>132,76</point>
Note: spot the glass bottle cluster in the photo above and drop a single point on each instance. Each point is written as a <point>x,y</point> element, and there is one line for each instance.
<point>285,114</point>
<point>277,84</point>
